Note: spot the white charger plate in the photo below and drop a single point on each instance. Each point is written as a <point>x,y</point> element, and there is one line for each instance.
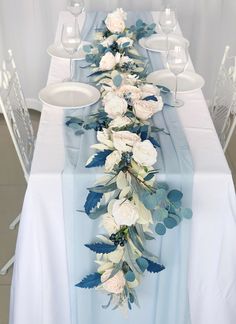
<point>69,95</point>
<point>188,81</point>
<point>158,43</point>
<point>57,50</point>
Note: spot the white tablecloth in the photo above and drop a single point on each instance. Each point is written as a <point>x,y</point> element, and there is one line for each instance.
<point>40,287</point>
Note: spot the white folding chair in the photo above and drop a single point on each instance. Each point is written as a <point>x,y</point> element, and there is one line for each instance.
<point>16,114</point>
<point>223,105</point>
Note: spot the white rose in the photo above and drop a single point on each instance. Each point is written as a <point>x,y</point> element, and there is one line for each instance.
<point>144,153</point>
<point>109,224</point>
<point>119,122</point>
<point>123,141</point>
<point>114,106</point>
<point>149,90</point>
<point>146,109</point>
<point>129,90</point>
<point>124,212</point>
<point>112,160</point>
<point>108,62</point>
<point>114,285</point>
<point>109,41</point>
<point>122,40</point>
<point>103,136</point>
<point>115,21</point>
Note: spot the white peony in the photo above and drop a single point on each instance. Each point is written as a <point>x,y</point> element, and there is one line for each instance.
<point>109,224</point>
<point>112,160</point>
<point>114,285</point>
<point>123,141</point>
<point>115,21</point>
<point>114,106</point>
<point>124,212</point>
<point>131,91</point>
<point>120,121</point>
<point>149,90</point>
<point>122,40</point>
<point>146,109</point>
<point>144,153</point>
<point>108,62</point>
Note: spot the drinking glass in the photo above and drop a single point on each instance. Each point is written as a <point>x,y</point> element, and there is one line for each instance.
<point>70,40</point>
<point>177,59</point>
<point>75,7</point>
<point>167,22</point>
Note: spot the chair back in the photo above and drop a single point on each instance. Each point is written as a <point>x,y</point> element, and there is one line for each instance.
<point>223,105</point>
<point>13,105</point>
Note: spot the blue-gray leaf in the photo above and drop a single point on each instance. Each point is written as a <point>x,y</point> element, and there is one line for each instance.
<point>160,229</point>
<point>142,263</point>
<point>186,213</point>
<point>154,267</point>
<point>175,195</point>
<point>130,276</point>
<point>170,222</point>
<point>117,80</point>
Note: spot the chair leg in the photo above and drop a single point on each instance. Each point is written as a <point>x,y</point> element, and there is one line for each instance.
<point>12,226</point>
<point>7,266</point>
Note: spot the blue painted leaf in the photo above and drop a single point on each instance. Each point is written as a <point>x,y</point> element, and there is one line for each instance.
<point>101,247</point>
<point>87,48</point>
<point>91,281</point>
<point>98,212</point>
<point>160,214</point>
<point>149,176</point>
<point>130,276</point>
<point>142,263</point>
<point>117,80</point>
<point>92,200</point>
<point>154,98</point>
<point>153,141</point>
<point>154,267</point>
<point>99,159</point>
<point>175,195</point>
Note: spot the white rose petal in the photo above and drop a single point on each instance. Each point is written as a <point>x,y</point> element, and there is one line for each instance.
<point>114,106</point>
<point>149,90</point>
<point>112,160</point>
<point>124,212</point>
<point>109,224</point>
<point>108,62</point>
<point>120,122</point>
<point>146,109</point>
<point>144,153</point>
<point>129,90</point>
<point>115,21</point>
<point>123,141</point>
<point>114,285</point>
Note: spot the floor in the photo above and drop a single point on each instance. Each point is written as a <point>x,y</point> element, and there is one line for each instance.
<point>12,190</point>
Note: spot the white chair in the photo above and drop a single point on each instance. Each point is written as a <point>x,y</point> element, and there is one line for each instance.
<point>16,114</point>
<point>223,105</point>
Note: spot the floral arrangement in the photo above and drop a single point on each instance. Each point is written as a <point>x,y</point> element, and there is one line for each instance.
<point>130,202</point>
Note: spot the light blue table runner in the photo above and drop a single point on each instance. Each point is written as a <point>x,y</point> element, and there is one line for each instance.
<point>163,297</point>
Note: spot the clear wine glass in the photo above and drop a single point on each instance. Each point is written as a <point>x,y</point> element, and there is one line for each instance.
<point>177,59</point>
<point>76,7</point>
<point>70,40</point>
<point>167,22</point>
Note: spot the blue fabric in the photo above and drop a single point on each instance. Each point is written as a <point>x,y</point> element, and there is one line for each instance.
<point>163,298</point>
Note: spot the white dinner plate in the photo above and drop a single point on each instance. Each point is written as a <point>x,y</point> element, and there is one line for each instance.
<point>158,42</point>
<point>69,95</point>
<point>57,50</point>
<point>187,81</point>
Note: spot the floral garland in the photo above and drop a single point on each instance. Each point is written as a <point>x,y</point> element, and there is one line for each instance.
<point>130,202</point>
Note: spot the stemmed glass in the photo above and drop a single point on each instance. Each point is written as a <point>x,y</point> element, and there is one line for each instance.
<point>70,40</point>
<point>167,22</point>
<point>76,7</point>
<point>177,59</point>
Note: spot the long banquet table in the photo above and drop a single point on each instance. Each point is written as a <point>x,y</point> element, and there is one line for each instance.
<point>40,286</point>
